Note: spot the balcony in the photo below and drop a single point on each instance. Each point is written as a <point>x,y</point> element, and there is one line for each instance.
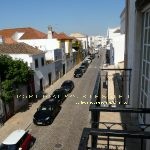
<point>112,125</point>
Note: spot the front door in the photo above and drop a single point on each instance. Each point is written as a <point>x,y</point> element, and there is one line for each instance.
<point>41,84</point>
<point>49,78</point>
<point>63,69</point>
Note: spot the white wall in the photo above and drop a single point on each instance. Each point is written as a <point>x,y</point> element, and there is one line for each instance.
<point>130,49</point>
<point>119,48</point>
<point>17,35</point>
<point>42,44</point>
<point>25,57</point>
<point>21,98</point>
<point>122,23</point>
<point>44,70</point>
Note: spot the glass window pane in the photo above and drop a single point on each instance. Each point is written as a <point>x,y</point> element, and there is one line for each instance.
<point>145,101</point>
<point>142,96</point>
<point>146,86</point>
<point>145,38</point>
<point>143,82</point>
<point>149,18</point>
<point>147,70</point>
<point>149,36</point>
<point>145,47</point>
<point>143,67</point>
<point>148,54</point>
<point>146,19</point>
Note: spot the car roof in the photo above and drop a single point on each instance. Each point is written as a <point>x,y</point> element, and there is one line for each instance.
<point>48,102</point>
<point>67,81</point>
<point>58,90</point>
<point>78,69</point>
<point>82,66</point>
<point>14,137</point>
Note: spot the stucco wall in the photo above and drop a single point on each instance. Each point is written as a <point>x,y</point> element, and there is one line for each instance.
<point>21,98</point>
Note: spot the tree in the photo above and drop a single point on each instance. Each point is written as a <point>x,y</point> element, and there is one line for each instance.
<point>12,73</point>
<point>77,45</point>
<point>7,91</point>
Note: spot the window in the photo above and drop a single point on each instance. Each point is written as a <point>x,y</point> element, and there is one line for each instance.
<point>36,63</point>
<point>145,70</point>
<point>42,61</point>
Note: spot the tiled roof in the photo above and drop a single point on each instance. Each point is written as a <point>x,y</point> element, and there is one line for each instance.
<point>61,36</point>
<point>29,33</point>
<point>19,48</point>
<point>9,40</point>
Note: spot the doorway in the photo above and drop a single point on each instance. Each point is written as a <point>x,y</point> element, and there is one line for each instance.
<point>64,69</point>
<point>41,84</point>
<point>50,78</point>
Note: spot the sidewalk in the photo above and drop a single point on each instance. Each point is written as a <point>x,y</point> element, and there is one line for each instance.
<point>22,120</point>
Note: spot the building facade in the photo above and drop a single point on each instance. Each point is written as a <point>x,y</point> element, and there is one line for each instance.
<point>137,56</point>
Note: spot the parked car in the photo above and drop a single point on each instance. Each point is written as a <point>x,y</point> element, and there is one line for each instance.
<point>85,63</point>
<point>83,68</point>
<point>88,60</point>
<point>46,113</point>
<point>59,95</point>
<point>68,85</point>
<point>18,139</point>
<point>92,56</point>
<point>78,73</point>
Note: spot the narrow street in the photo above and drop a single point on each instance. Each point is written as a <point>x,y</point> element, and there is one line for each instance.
<point>65,131</point>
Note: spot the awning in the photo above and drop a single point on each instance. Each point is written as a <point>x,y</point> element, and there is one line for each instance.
<point>39,74</point>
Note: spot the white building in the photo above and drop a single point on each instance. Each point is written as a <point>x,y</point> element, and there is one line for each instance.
<point>123,19</point>
<point>94,41</point>
<point>83,38</point>
<point>46,42</point>
<point>118,44</point>
<point>137,57</point>
<point>44,74</point>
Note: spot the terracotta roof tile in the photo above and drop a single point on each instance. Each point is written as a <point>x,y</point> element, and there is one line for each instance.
<point>29,33</point>
<point>9,40</point>
<point>61,36</point>
<point>19,48</point>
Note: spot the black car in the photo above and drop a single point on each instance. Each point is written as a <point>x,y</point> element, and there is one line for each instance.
<point>46,113</point>
<point>68,85</point>
<point>83,68</point>
<point>92,56</point>
<point>85,63</point>
<point>59,95</point>
<point>78,73</point>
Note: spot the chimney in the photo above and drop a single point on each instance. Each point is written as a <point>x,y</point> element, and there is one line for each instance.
<point>1,39</point>
<point>50,34</point>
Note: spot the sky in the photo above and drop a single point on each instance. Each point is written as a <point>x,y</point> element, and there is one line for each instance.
<point>91,17</point>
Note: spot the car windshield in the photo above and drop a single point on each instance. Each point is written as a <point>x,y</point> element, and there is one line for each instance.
<point>8,147</point>
<point>66,84</point>
<point>82,67</point>
<point>56,94</point>
<point>78,71</point>
<point>43,108</point>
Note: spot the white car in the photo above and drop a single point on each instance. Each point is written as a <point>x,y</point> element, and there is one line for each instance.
<point>88,60</point>
<point>18,139</point>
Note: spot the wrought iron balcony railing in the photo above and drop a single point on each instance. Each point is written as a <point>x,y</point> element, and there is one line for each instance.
<point>91,137</point>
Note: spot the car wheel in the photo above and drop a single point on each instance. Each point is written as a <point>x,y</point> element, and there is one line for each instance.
<point>31,144</point>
